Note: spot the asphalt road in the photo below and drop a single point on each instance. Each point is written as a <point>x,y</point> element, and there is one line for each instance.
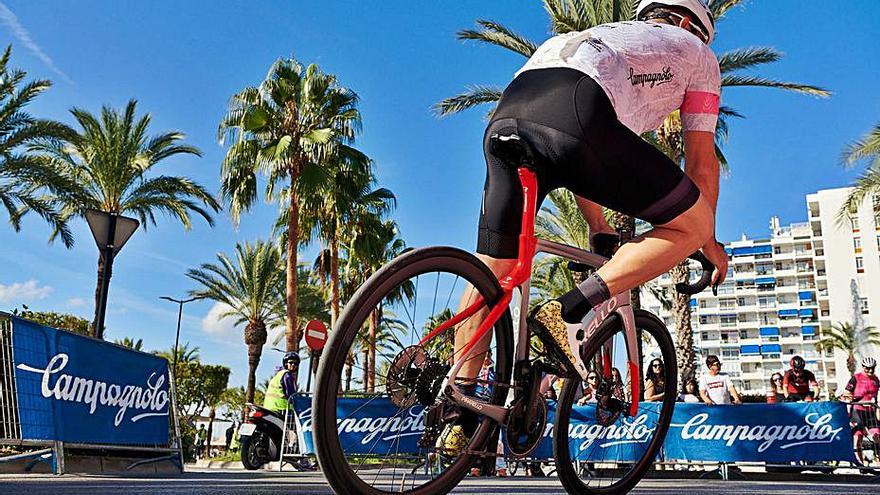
<point>235,482</point>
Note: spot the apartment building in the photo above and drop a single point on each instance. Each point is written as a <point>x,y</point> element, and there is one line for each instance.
<point>784,290</point>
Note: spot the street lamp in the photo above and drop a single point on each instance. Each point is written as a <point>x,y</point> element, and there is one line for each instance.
<point>180,303</point>
<point>111,231</point>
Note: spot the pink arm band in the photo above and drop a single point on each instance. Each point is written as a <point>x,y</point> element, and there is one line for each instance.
<point>700,102</point>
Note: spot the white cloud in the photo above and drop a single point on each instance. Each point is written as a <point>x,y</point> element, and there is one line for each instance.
<point>24,291</point>
<point>11,20</point>
<point>214,323</point>
<point>76,302</point>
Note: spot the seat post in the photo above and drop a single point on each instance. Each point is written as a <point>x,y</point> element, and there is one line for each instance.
<point>527,240</point>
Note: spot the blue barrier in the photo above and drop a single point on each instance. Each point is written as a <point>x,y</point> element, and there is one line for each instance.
<point>77,389</point>
<point>811,432</point>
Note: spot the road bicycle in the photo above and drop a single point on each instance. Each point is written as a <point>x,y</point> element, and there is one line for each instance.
<point>402,317</point>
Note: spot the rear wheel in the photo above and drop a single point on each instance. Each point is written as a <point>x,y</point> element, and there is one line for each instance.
<point>598,448</point>
<point>376,384</point>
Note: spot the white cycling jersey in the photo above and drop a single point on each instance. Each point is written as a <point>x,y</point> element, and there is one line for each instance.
<point>647,69</point>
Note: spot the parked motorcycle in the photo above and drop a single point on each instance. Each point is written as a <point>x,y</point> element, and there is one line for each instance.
<point>261,436</point>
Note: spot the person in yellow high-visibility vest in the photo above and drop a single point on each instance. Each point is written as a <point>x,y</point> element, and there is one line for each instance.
<point>282,385</point>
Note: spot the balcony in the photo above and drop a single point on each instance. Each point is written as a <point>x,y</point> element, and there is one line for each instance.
<point>753,375</point>
<point>750,358</point>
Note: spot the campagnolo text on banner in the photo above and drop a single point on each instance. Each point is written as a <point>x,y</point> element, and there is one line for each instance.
<point>148,400</point>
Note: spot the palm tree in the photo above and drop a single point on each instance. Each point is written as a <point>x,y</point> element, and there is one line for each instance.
<point>845,336</point>
<point>129,342</point>
<point>185,353</point>
<point>248,286</point>
<point>373,243</point>
<point>285,128</point>
<point>104,167</point>
<point>333,201</point>
<point>578,15</point>
<point>866,148</point>
<point>22,173</point>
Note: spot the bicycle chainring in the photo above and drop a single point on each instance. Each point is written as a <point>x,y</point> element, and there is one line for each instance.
<point>524,436</point>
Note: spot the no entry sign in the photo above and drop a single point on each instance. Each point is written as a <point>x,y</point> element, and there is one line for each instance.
<point>316,335</point>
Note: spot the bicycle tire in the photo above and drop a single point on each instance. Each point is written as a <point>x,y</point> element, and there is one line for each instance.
<point>331,458</point>
<point>565,467</point>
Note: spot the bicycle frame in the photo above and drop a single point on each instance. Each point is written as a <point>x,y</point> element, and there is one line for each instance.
<point>519,277</point>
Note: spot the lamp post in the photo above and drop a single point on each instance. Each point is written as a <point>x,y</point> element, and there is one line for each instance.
<point>180,303</point>
<point>111,231</point>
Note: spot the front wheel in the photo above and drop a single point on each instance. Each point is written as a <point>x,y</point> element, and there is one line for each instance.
<point>599,449</point>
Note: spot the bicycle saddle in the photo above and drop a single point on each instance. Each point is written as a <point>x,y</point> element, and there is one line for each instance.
<point>512,149</point>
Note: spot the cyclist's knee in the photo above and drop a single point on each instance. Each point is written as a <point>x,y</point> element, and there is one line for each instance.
<point>499,266</point>
<point>697,223</point>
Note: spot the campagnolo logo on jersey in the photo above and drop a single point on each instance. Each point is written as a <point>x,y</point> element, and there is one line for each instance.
<point>816,430</point>
<point>369,427</point>
<point>650,78</point>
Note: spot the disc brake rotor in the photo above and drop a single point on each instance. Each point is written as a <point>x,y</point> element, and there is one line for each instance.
<point>403,375</point>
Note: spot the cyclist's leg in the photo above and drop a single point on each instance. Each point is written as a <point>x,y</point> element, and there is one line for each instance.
<point>659,249</point>
<point>498,238</point>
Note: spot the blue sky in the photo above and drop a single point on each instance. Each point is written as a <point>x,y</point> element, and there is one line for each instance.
<point>183,60</point>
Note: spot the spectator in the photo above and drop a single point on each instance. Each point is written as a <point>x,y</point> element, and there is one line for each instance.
<point>797,382</point>
<point>863,387</point>
<point>774,396</point>
<point>655,383</point>
<point>229,432</point>
<point>617,389</point>
<point>589,388</point>
<point>691,392</point>
<point>201,436</point>
<point>716,387</point>
<point>486,378</point>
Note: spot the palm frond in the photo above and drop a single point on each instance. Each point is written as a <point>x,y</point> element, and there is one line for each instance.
<point>866,147</point>
<point>731,80</point>
<point>473,96</point>
<point>499,35</point>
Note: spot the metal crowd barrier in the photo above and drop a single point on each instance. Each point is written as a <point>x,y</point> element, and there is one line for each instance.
<point>290,451</point>
<point>52,451</point>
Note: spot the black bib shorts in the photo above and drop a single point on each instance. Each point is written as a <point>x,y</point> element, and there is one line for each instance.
<point>581,146</point>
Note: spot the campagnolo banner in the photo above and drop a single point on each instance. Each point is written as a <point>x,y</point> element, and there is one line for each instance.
<point>77,389</point>
<point>367,425</point>
<point>808,431</point>
<point>816,431</point>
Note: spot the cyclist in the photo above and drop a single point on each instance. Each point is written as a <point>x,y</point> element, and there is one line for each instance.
<point>282,386</point>
<point>863,387</point>
<point>797,381</point>
<point>581,101</point>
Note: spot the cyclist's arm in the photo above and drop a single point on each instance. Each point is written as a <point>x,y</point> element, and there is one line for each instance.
<point>701,164</point>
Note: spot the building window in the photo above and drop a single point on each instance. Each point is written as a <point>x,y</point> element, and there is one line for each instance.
<point>704,335</point>
<point>860,264</point>
<point>854,221</point>
<point>863,304</point>
<point>857,244</point>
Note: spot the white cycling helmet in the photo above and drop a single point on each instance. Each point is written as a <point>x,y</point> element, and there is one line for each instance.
<point>706,22</point>
<point>869,362</point>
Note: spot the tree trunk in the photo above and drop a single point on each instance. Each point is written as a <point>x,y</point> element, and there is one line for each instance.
<point>349,364</point>
<point>371,371</point>
<point>254,352</point>
<point>255,338</point>
<point>681,309</point>
<point>292,330</point>
<point>334,282</point>
<point>98,295</point>
<point>366,353</point>
<point>850,363</point>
